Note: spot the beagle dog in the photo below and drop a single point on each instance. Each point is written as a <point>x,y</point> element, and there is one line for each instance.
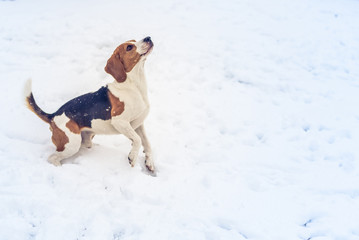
<point>117,108</point>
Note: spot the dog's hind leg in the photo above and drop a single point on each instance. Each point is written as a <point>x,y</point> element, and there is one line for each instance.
<point>70,149</point>
<point>65,138</point>
<point>87,137</point>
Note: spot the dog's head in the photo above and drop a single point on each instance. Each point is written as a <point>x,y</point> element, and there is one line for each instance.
<point>127,56</point>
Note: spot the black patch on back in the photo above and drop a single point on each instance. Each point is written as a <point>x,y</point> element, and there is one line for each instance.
<point>87,107</point>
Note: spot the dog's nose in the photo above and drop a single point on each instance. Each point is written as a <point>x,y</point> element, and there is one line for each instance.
<point>147,39</point>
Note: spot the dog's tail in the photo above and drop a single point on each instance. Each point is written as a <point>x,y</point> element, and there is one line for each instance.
<point>31,104</point>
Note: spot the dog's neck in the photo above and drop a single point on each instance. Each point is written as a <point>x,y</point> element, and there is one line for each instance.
<point>137,78</point>
<point>137,74</point>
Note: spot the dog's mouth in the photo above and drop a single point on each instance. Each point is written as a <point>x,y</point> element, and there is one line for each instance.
<point>149,49</point>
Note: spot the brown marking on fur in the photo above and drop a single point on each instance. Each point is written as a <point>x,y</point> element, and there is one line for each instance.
<point>59,137</point>
<point>115,67</point>
<point>122,61</point>
<point>128,58</point>
<point>73,127</point>
<point>131,40</point>
<point>117,107</point>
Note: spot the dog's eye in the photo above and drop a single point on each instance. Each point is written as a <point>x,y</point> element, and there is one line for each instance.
<point>129,48</point>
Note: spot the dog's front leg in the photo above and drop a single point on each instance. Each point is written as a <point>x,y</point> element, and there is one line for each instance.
<point>126,129</point>
<point>146,148</point>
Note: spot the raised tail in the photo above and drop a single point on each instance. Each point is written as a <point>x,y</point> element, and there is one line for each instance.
<point>31,104</point>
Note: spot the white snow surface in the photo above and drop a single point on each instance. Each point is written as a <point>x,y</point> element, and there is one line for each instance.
<point>254,121</point>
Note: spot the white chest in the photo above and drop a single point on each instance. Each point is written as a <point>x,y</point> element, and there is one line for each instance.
<point>135,101</point>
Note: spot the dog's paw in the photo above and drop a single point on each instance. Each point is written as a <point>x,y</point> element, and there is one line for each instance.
<point>87,144</point>
<point>54,159</point>
<point>132,157</point>
<point>149,164</point>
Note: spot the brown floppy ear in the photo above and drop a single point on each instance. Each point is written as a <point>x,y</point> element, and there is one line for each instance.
<point>115,67</point>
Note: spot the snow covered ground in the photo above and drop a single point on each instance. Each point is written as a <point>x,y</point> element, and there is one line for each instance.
<point>254,121</point>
